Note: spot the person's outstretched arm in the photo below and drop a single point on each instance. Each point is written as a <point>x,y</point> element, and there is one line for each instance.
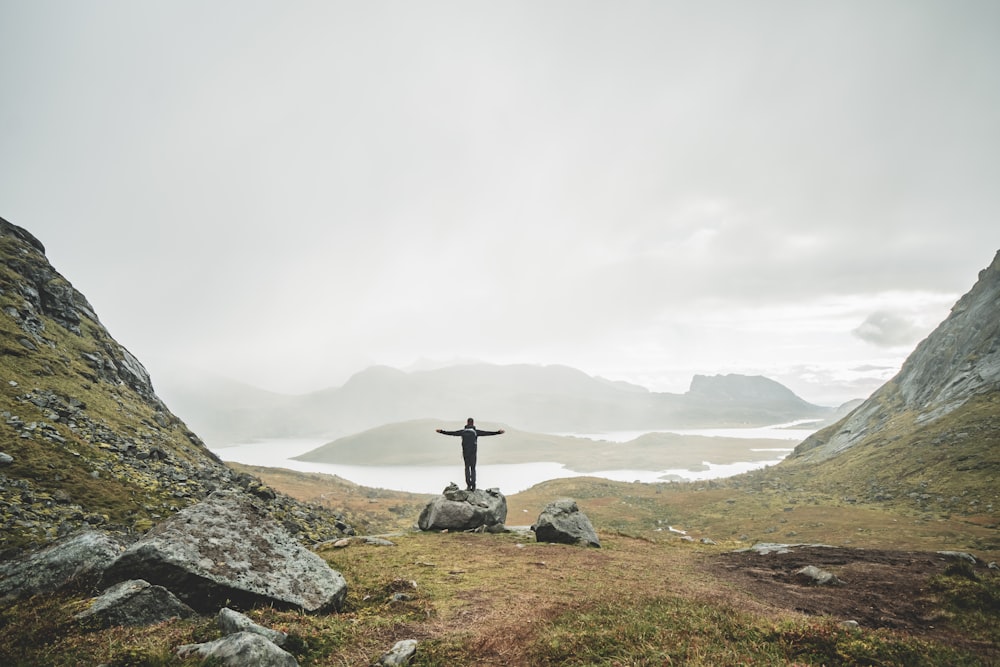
<point>444,432</point>
<point>500,432</point>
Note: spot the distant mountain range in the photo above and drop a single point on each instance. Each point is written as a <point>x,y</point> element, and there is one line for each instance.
<point>547,399</point>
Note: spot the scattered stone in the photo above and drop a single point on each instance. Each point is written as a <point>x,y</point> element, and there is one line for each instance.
<point>961,555</point>
<point>706,540</point>
<point>458,509</point>
<point>400,654</point>
<point>134,602</point>
<point>850,625</point>
<point>764,548</point>
<point>231,622</point>
<point>225,551</point>
<point>6,459</point>
<point>561,521</point>
<point>243,649</point>
<point>79,560</point>
<point>813,575</point>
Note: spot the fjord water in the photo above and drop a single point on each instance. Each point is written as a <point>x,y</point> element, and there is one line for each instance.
<point>512,477</point>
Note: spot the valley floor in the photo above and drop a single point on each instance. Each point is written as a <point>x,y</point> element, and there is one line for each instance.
<point>649,596</point>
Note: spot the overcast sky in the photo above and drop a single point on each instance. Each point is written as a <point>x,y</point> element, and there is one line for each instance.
<point>287,192</point>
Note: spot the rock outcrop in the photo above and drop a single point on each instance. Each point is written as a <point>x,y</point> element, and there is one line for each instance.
<point>227,551</point>
<point>561,521</point>
<point>134,602</point>
<point>458,509</point>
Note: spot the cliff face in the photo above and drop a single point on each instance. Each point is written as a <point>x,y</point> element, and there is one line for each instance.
<point>84,440</point>
<point>958,363</point>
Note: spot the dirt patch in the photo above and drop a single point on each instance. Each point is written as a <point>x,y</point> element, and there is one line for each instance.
<point>878,589</point>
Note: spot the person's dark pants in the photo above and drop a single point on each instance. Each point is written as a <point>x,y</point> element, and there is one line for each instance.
<point>469,454</point>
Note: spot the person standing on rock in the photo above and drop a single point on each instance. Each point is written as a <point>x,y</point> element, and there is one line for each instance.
<point>470,439</point>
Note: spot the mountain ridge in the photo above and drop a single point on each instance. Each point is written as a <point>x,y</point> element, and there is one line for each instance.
<point>929,439</point>
<point>957,361</point>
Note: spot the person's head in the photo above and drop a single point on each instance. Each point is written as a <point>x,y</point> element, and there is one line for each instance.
<point>470,422</point>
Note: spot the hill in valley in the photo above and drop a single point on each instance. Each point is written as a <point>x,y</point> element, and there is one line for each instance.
<point>415,443</point>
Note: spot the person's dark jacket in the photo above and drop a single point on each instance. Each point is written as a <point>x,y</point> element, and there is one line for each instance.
<point>470,435</point>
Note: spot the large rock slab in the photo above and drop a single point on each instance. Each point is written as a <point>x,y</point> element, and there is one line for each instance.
<point>224,551</point>
<point>458,509</point>
<point>76,561</point>
<point>561,521</point>
<point>134,602</point>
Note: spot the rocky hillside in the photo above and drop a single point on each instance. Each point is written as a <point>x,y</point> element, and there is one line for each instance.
<point>932,433</point>
<point>84,439</point>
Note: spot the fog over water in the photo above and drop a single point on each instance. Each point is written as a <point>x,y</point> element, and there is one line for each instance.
<point>509,478</point>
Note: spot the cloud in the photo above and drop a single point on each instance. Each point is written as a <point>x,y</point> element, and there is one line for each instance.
<point>887,329</point>
<point>642,191</point>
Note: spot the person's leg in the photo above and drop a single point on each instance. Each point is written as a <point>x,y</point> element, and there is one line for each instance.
<point>469,454</point>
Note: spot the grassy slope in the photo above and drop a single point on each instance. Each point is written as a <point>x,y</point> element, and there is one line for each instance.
<point>89,450</point>
<point>60,476</point>
<point>947,467</point>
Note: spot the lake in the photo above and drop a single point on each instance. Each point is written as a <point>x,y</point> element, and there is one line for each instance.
<point>510,478</point>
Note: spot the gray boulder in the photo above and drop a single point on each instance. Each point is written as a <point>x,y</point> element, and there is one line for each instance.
<point>225,551</point>
<point>6,459</point>
<point>243,649</point>
<point>561,521</point>
<point>134,602</point>
<point>231,622</point>
<point>78,560</point>
<point>400,654</point>
<point>458,509</point>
